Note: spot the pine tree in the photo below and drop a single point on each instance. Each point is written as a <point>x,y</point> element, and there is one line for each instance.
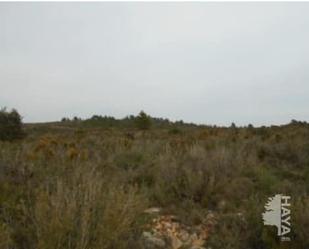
<point>10,125</point>
<point>143,121</point>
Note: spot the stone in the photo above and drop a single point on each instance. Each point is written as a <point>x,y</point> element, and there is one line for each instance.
<point>152,210</point>
<point>176,243</point>
<point>184,235</point>
<point>167,232</point>
<point>153,242</point>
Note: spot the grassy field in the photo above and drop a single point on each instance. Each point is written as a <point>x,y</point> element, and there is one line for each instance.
<point>85,185</point>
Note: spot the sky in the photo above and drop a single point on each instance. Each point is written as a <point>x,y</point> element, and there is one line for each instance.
<point>207,63</point>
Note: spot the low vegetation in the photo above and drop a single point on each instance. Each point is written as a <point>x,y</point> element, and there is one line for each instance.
<point>10,125</point>
<point>85,183</point>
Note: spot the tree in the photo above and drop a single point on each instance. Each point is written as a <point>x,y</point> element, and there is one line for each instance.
<point>75,119</point>
<point>143,121</point>
<point>233,125</point>
<point>65,119</point>
<point>10,125</point>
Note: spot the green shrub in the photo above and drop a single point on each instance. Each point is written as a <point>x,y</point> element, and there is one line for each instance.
<point>300,219</point>
<point>10,125</point>
<point>129,160</point>
<point>230,233</point>
<point>174,131</point>
<point>5,239</point>
<point>143,121</point>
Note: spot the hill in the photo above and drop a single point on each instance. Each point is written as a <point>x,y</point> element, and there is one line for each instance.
<point>86,183</point>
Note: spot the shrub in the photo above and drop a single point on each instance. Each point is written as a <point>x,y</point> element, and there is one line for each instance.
<point>230,233</point>
<point>86,211</point>
<point>10,125</point>
<point>5,239</point>
<point>174,131</point>
<point>65,119</point>
<point>143,121</point>
<point>300,218</point>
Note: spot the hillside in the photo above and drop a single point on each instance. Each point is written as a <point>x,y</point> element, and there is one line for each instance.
<point>87,184</point>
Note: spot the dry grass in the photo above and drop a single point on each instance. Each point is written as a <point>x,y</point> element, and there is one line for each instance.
<point>86,188</point>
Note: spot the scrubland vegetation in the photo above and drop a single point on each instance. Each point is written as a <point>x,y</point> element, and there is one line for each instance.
<point>84,184</point>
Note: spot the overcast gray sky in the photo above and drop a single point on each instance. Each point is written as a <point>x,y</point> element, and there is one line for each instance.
<point>212,63</point>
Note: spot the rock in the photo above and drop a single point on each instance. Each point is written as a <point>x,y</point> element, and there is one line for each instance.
<point>184,235</point>
<point>211,220</point>
<point>210,216</point>
<point>176,243</point>
<point>152,210</point>
<point>152,242</point>
<point>193,237</point>
<point>197,241</point>
<point>167,231</point>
